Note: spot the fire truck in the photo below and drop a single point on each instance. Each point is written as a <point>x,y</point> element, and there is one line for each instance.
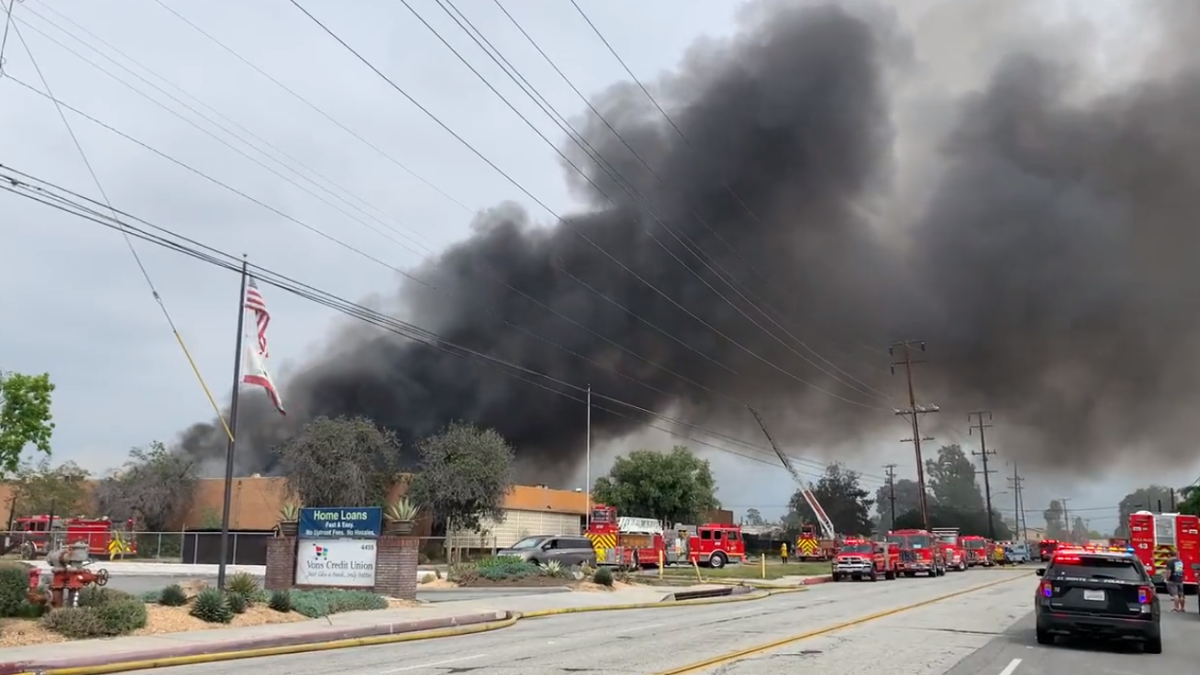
<point>809,545</point>
<point>979,551</point>
<point>952,549</point>
<point>1046,548</point>
<point>1157,537</point>
<point>919,553</point>
<point>35,536</point>
<point>639,542</point>
<point>865,559</point>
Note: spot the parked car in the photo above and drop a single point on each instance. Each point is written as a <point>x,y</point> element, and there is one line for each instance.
<point>565,549</point>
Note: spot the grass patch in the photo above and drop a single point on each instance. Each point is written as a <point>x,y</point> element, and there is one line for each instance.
<point>753,571</point>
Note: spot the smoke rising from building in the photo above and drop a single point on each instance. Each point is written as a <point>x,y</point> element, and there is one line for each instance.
<point>1049,262</point>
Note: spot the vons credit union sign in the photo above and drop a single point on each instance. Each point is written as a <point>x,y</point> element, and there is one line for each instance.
<point>336,562</point>
<point>336,546</point>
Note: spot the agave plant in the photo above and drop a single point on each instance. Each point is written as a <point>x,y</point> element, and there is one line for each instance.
<point>402,511</point>
<point>290,513</point>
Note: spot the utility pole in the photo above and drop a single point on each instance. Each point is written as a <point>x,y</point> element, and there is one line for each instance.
<point>983,453</point>
<point>1016,481</point>
<point>1172,500</point>
<point>1066,515</point>
<point>913,413</point>
<point>891,482</point>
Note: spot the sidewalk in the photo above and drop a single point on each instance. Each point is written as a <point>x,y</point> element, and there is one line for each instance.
<point>350,625</point>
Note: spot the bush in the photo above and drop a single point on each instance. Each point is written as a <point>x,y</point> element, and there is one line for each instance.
<point>463,574</point>
<point>98,596</point>
<point>14,589</point>
<point>115,616</point>
<point>281,601</point>
<point>506,567</point>
<point>553,568</point>
<point>212,606</point>
<point>74,622</point>
<point>173,596</point>
<point>122,616</point>
<point>237,602</point>
<point>318,603</point>
<point>603,576</point>
<point>151,597</point>
<point>244,585</point>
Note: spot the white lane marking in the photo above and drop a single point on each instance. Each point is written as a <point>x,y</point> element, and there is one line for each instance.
<point>435,664</point>
<point>630,629</point>
<point>1011,667</point>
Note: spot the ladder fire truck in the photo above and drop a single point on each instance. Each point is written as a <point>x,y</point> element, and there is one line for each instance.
<point>1157,537</point>
<point>631,542</point>
<point>808,546</point>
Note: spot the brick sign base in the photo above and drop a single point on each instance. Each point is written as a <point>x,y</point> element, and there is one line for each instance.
<point>395,566</point>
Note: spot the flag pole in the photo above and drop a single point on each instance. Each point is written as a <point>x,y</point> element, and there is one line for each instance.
<point>233,415</point>
<point>587,471</point>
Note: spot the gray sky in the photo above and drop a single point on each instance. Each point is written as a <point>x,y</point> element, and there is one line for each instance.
<point>122,379</point>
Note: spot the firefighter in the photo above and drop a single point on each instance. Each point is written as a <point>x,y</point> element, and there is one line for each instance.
<point>783,552</point>
<point>999,554</point>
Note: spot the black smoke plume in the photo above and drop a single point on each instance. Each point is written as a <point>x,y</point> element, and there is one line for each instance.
<point>1052,272</point>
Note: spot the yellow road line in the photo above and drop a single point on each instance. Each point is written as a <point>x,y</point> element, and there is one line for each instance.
<point>759,649</point>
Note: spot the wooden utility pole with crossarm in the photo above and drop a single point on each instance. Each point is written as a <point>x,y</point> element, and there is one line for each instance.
<point>913,415</point>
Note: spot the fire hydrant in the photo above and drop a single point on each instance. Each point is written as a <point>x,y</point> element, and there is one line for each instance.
<point>69,574</point>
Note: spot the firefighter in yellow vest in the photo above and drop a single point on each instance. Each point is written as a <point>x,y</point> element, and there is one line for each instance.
<point>999,554</point>
<point>783,552</point>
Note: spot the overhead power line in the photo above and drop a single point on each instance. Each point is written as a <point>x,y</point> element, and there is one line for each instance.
<point>64,200</point>
<point>437,120</point>
<point>158,299</point>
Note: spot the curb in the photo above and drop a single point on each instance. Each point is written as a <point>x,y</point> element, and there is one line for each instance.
<point>763,585</point>
<point>325,640</point>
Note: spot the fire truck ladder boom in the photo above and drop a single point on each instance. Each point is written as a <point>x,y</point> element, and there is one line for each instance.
<point>827,529</point>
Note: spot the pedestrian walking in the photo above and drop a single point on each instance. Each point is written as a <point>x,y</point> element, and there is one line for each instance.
<point>1174,570</point>
<point>783,552</point>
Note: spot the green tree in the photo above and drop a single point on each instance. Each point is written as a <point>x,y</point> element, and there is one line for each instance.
<point>908,498</point>
<point>673,487</point>
<point>843,499</point>
<point>1079,530</point>
<point>42,488</point>
<point>154,487</point>
<point>1142,499</point>
<point>1190,503</point>
<point>754,518</point>
<point>25,417</point>
<point>464,474</point>
<point>1055,521</point>
<point>972,523</point>
<point>340,462</point>
<point>952,479</point>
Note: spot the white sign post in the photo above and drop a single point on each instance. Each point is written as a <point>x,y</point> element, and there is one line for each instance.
<point>336,562</point>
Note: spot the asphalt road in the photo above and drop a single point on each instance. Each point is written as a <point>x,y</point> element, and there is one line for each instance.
<point>1181,652</point>
<point>928,640</point>
<point>142,584</point>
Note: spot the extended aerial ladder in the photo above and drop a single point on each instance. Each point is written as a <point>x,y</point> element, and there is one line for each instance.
<point>827,530</point>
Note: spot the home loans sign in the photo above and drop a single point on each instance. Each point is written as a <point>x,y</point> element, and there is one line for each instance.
<point>336,546</point>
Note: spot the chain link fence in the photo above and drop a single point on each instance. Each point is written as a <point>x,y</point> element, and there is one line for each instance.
<point>202,547</point>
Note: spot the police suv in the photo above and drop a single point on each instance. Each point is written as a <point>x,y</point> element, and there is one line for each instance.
<point>1087,592</point>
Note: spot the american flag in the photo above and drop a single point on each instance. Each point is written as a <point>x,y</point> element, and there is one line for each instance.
<point>256,358</point>
<point>255,303</point>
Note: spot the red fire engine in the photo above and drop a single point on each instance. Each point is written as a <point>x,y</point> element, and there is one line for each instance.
<point>34,536</point>
<point>918,553</point>
<point>865,559</point>
<point>978,550</point>
<point>1157,537</point>
<point>639,542</point>
<point>952,548</point>
<point>1046,548</point>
